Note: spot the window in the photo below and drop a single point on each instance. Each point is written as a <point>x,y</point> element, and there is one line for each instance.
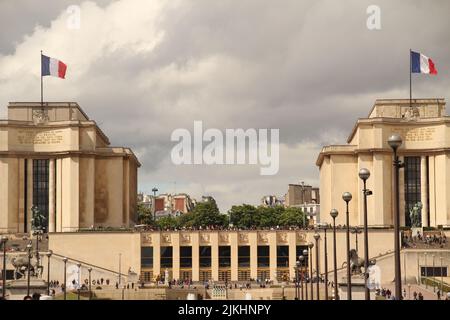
<point>433,271</point>
<point>283,256</point>
<point>412,185</point>
<point>146,276</point>
<point>244,256</point>
<point>186,257</point>
<point>224,256</point>
<point>41,187</point>
<point>263,256</point>
<point>205,256</point>
<point>166,257</point>
<point>146,257</point>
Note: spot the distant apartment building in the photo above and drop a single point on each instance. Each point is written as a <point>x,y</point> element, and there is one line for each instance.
<point>306,198</point>
<point>271,201</point>
<point>172,205</point>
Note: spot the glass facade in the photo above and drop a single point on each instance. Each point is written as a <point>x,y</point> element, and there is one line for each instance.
<point>412,186</point>
<point>166,257</point>
<point>224,256</point>
<point>283,256</point>
<point>263,256</point>
<point>205,256</point>
<point>146,257</point>
<point>186,257</point>
<point>41,188</point>
<point>244,256</point>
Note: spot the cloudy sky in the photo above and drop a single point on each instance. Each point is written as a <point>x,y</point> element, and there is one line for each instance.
<point>142,69</point>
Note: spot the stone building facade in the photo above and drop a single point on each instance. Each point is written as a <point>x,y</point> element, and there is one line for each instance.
<point>55,158</point>
<point>425,130</point>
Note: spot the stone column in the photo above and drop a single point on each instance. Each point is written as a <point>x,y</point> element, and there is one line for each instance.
<point>272,237</point>
<point>292,254</point>
<point>176,255</point>
<point>253,242</point>
<point>234,255</point>
<point>214,239</point>
<point>195,256</point>
<point>424,190</point>
<point>51,196</point>
<point>156,242</point>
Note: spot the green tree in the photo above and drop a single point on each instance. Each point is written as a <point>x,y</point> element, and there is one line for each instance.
<point>266,217</point>
<point>291,217</point>
<point>145,215</point>
<point>207,214</point>
<point>243,216</point>
<point>168,222</point>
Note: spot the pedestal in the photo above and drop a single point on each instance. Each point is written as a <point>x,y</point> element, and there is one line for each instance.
<point>358,288</point>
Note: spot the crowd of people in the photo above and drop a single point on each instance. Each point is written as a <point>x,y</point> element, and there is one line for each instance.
<point>429,240</point>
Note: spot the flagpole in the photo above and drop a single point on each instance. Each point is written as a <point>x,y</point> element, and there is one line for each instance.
<point>42,90</point>
<point>410,78</point>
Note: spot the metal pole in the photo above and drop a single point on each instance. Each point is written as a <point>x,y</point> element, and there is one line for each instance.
<point>4,240</point>
<point>442,276</point>
<point>65,279</point>
<point>349,275</point>
<point>336,294</point>
<point>48,274</point>
<point>426,272</point>
<point>28,272</point>
<point>398,272</point>
<point>90,290</point>
<point>326,262</point>
<point>434,285</point>
<point>317,270</point>
<point>37,249</point>
<point>301,280</point>
<point>306,273</point>
<point>366,245</point>
<point>120,266</point>
<point>311,274</point>
<point>296,283</point>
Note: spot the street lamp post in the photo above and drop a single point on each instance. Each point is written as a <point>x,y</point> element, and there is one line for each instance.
<point>48,254</point>
<point>434,285</point>
<point>65,277</point>
<point>306,255</point>
<point>442,274</point>
<point>311,245</point>
<point>29,247</point>
<point>324,226</point>
<point>426,271</point>
<point>364,174</point>
<point>90,290</point>
<point>297,265</point>
<point>79,279</point>
<point>37,233</point>
<point>301,259</point>
<point>4,239</point>
<point>154,190</point>
<point>334,213</point>
<point>395,141</point>
<point>347,197</point>
<point>317,237</point>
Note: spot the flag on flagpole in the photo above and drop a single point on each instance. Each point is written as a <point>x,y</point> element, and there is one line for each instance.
<point>420,63</point>
<point>53,67</point>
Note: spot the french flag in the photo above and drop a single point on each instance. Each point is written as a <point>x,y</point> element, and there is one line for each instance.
<point>53,67</point>
<point>422,64</point>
